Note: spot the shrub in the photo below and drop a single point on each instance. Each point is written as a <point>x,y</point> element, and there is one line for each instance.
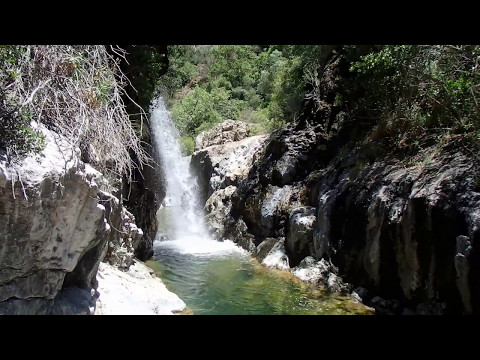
<point>16,134</point>
<point>195,109</point>
<point>414,87</point>
<point>187,144</point>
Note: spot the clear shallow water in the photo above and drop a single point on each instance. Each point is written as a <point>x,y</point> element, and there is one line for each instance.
<point>220,278</point>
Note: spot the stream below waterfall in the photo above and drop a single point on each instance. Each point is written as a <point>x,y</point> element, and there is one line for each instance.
<point>219,278</point>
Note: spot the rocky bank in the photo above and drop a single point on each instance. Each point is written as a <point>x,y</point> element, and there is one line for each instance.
<point>402,231</point>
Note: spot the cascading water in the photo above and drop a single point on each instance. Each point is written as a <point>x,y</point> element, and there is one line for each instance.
<point>181,185</point>
<point>184,210</point>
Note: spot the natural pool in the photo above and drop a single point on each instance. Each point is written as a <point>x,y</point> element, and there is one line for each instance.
<point>219,278</point>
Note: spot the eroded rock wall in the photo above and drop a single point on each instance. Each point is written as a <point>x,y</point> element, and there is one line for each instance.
<point>57,222</point>
<point>404,231</point>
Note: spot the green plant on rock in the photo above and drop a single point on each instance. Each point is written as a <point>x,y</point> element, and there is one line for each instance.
<point>187,145</point>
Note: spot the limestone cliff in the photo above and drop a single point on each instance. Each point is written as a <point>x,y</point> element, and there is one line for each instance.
<point>57,222</point>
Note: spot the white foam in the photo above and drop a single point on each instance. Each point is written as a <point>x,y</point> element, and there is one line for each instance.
<point>181,185</point>
<point>200,246</point>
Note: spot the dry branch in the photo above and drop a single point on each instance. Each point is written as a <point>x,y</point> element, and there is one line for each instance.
<point>77,90</point>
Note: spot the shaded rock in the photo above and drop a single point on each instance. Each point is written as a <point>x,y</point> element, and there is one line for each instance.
<point>267,211</point>
<point>433,308</point>
<point>142,197</point>
<point>385,307</point>
<point>75,301</point>
<point>462,267</point>
<point>247,243</point>
<point>362,293</point>
<point>321,234</point>
<point>299,241</point>
<point>407,311</point>
<point>238,233</point>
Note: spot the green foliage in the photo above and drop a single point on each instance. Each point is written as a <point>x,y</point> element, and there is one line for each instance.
<point>195,109</point>
<point>187,144</point>
<point>180,68</point>
<point>146,64</point>
<point>236,63</point>
<point>263,86</point>
<point>413,88</point>
<point>16,134</point>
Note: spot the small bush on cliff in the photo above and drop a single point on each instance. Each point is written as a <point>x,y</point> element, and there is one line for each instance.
<point>16,134</point>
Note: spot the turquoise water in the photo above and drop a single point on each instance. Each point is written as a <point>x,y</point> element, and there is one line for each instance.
<point>215,278</point>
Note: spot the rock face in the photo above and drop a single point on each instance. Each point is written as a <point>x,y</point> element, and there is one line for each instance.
<point>142,197</point>
<point>405,229</point>
<point>221,167</point>
<point>321,272</point>
<point>57,223</point>
<point>225,132</point>
<point>302,222</point>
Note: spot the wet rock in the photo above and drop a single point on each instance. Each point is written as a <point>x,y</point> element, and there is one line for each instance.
<point>321,272</point>
<point>407,311</point>
<point>433,308</point>
<point>142,197</point>
<point>247,243</point>
<point>264,248</point>
<point>276,257</point>
<point>321,234</point>
<point>267,211</point>
<point>238,233</point>
<point>385,307</point>
<point>362,293</point>
<point>462,267</point>
<point>299,242</point>
<point>218,207</point>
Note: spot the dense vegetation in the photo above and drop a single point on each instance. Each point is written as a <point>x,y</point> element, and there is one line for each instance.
<point>419,93</point>
<point>262,85</point>
<point>143,65</point>
<point>412,95</point>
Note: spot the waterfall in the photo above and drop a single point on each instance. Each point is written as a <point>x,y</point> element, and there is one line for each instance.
<point>181,186</point>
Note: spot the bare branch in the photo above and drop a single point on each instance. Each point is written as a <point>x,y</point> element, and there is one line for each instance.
<point>82,95</point>
<point>29,100</point>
